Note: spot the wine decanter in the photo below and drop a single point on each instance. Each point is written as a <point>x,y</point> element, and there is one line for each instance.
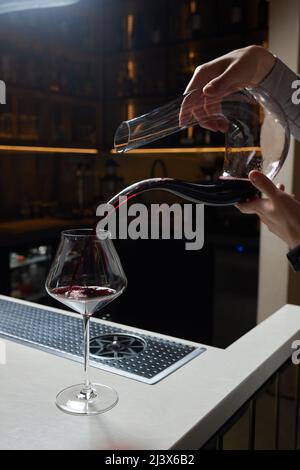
<point>256,136</point>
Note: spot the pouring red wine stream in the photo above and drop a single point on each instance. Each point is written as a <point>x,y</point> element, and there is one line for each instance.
<point>223,192</point>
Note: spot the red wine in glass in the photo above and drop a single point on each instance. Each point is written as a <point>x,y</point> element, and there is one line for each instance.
<point>84,300</point>
<point>99,278</point>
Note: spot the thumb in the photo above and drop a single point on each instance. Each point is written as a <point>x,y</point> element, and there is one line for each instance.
<point>263,184</point>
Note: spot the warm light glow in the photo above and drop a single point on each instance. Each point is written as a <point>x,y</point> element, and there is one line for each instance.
<point>130,21</point>
<point>265,44</point>
<point>8,6</point>
<point>193,6</point>
<point>192,55</point>
<point>130,110</point>
<point>192,150</point>
<point>191,61</point>
<point>24,148</point>
<point>131,69</point>
<point>190,133</point>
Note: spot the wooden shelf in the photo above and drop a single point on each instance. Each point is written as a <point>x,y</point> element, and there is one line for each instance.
<point>33,149</point>
<point>40,93</point>
<point>202,41</point>
<point>133,98</point>
<point>27,42</point>
<point>161,70</point>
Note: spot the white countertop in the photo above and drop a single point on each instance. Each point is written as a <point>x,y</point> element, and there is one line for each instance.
<point>182,411</point>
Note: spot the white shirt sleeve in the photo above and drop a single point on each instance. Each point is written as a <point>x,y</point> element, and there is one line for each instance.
<point>279,84</point>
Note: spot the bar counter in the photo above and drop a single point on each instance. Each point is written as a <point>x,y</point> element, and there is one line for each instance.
<point>39,230</point>
<point>182,411</point>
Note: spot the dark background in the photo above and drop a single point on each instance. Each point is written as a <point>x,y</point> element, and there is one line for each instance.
<point>73,74</point>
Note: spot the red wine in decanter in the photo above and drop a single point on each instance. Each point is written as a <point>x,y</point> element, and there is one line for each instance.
<point>225,191</point>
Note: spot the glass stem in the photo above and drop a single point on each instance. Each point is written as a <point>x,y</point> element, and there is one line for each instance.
<point>87,390</point>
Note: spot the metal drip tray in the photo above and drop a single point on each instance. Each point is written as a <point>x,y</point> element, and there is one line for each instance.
<point>117,346</point>
<point>145,358</point>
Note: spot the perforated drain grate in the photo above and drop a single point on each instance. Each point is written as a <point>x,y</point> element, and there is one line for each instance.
<point>150,360</point>
<point>117,346</point>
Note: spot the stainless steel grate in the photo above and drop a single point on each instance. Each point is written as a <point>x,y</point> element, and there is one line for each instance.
<point>117,346</point>
<point>62,335</point>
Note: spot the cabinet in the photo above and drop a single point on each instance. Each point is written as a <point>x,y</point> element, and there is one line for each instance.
<point>50,60</point>
<point>74,73</point>
<point>152,49</point>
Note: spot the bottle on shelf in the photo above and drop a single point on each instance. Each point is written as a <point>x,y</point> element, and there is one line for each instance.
<point>195,20</point>
<point>54,81</point>
<point>8,68</point>
<point>64,31</point>
<point>27,119</point>
<point>117,35</point>
<point>207,138</point>
<point>198,136</point>
<point>131,110</point>
<point>111,183</point>
<point>88,80</point>
<point>87,36</point>
<point>74,85</point>
<point>187,66</point>
<point>60,125</point>
<point>64,73</point>
<point>236,17</point>
<point>30,71</point>
<point>138,31</point>
<point>7,121</point>
<point>156,30</point>
<point>83,125</point>
<point>121,36</point>
<point>128,80</point>
<point>129,32</point>
<point>176,25</point>
<point>120,80</point>
<point>187,138</point>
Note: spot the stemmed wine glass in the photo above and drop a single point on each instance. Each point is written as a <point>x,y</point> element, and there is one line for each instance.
<point>86,275</point>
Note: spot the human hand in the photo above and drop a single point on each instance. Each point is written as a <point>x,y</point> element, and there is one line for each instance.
<point>279,211</point>
<point>220,77</point>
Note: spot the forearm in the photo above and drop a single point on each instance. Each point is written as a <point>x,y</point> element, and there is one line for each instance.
<point>279,84</point>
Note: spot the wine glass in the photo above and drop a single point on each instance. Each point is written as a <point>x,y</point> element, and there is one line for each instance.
<point>86,275</point>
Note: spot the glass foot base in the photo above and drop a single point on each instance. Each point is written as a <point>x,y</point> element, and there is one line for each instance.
<point>71,400</point>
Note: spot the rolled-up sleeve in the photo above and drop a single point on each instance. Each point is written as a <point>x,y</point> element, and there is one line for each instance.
<point>279,84</point>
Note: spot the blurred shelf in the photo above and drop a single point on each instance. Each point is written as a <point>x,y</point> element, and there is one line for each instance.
<point>202,42</point>
<point>142,97</point>
<point>173,151</point>
<point>28,262</point>
<point>41,93</point>
<point>75,99</point>
<point>80,79</point>
<point>52,150</point>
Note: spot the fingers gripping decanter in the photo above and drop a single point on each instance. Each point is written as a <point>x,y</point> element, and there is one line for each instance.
<point>256,136</point>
